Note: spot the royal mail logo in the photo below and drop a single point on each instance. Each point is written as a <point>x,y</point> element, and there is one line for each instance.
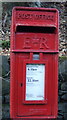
<point>35,42</point>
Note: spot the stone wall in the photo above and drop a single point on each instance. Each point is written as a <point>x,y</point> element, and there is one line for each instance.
<point>62,89</point>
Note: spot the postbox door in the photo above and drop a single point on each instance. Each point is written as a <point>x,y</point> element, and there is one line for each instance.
<point>28,106</point>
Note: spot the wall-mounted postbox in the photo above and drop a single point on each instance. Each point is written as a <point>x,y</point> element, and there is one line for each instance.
<point>34,63</point>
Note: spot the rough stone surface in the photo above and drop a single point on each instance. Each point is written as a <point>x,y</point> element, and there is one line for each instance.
<point>5,111</point>
<point>63,70</point>
<point>3,99</point>
<point>64,97</point>
<point>60,117</point>
<point>64,107</point>
<point>5,86</point>
<point>5,65</point>
<point>60,106</point>
<point>7,99</point>
<point>65,116</point>
<point>0,66</point>
<point>64,86</point>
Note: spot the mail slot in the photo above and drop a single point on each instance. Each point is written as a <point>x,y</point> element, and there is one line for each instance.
<point>34,63</point>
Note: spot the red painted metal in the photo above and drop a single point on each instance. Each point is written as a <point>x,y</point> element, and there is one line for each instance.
<point>34,31</point>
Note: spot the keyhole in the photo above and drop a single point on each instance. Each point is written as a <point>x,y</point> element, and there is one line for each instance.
<point>21,84</point>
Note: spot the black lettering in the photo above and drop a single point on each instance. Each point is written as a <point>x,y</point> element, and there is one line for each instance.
<point>35,80</point>
<point>33,69</point>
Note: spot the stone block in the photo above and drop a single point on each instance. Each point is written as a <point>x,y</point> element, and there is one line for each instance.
<point>64,97</point>
<point>5,65</point>
<point>64,86</point>
<point>63,70</point>
<point>65,116</point>
<point>64,109</point>
<point>7,99</point>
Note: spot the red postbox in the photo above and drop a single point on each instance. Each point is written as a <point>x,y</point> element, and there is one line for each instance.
<point>34,63</point>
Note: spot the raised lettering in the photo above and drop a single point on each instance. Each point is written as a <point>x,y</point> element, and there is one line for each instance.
<point>35,16</point>
<point>35,41</point>
<point>27,43</point>
<point>38,42</point>
<point>43,43</point>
